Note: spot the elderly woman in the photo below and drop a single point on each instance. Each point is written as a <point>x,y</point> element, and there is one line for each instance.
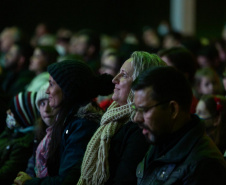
<point>118,145</point>
<point>72,86</point>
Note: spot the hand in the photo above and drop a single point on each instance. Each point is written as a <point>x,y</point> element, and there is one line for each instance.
<point>21,178</point>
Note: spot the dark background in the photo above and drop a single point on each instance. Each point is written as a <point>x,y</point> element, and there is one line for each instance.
<point>107,16</point>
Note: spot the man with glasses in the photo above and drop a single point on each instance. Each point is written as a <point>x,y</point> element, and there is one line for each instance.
<point>181,152</point>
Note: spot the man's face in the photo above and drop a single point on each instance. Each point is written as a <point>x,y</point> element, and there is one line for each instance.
<point>153,118</point>
<point>12,58</point>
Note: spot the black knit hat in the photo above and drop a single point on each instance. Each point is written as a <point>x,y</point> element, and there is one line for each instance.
<point>78,81</point>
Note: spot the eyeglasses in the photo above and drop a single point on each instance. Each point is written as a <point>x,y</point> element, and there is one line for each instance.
<point>146,109</point>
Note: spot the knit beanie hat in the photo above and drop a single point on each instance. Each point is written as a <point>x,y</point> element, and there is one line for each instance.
<point>78,81</point>
<point>24,109</point>
<point>41,95</point>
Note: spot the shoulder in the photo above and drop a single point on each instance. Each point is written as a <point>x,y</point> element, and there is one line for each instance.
<point>129,135</point>
<point>130,129</point>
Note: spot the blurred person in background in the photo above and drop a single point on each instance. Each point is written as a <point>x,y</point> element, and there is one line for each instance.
<point>212,110</point>
<point>72,88</point>
<point>16,64</point>
<point>42,57</point>
<point>207,81</point>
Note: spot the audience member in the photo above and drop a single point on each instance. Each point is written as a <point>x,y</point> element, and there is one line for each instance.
<point>112,154</point>
<point>72,86</point>
<point>8,37</point>
<point>36,164</point>
<point>181,152</point>
<point>207,81</point>
<point>208,56</point>
<point>63,41</point>
<point>172,39</point>
<point>151,40</point>
<point>16,141</point>
<point>87,44</point>
<point>17,75</point>
<point>41,58</point>
<point>183,60</point>
<point>41,30</point>
<point>212,109</point>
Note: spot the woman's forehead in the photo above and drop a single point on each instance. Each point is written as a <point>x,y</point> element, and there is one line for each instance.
<point>127,66</point>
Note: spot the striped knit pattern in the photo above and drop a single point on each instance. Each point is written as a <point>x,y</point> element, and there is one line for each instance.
<point>24,108</point>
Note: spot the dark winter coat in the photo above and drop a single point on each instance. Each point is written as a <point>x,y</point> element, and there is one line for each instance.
<point>79,130</point>
<point>193,160</point>
<point>15,150</point>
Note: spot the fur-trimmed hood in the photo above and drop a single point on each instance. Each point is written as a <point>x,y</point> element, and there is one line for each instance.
<point>91,111</point>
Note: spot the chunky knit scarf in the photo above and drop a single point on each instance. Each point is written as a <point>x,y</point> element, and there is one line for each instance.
<point>95,167</point>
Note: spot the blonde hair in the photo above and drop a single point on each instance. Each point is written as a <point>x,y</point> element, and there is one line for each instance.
<point>142,61</point>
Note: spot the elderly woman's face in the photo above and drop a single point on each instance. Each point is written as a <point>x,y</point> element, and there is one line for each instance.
<point>55,93</point>
<point>123,81</point>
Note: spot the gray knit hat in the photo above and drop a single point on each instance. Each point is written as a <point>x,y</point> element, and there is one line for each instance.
<point>41,95</point>
<point>78,81</point>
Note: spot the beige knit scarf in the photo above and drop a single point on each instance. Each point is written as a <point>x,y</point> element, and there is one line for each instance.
<point>95,168</point>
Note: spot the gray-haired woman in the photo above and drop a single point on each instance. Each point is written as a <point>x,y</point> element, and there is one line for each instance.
<point>118,145</point>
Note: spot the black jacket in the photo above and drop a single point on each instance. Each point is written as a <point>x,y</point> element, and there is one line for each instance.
<point>193,160</point>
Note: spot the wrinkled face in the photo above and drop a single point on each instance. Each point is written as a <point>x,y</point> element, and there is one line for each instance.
<point>108,65</point>
<point>123,81</point>
<point>12,57</point>
<point>38,62</point>
<point>204,114</point>
<point>149,116</point>
<point>209,86</point>
<point>55,94</point>
<point>47,113</point>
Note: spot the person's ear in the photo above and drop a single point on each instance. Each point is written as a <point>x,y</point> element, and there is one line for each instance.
<point>174,109</point>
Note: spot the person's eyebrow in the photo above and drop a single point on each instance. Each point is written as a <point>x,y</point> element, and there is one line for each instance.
<point>123,70</point>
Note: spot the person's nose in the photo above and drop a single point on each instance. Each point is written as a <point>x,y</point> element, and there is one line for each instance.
<point>47,108</point>
<point>47,90</point>
<point>116,79</point>
<point>138,118</point>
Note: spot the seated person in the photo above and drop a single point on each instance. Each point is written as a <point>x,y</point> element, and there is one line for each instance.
<point>16,141</point>
<point>181,152</point>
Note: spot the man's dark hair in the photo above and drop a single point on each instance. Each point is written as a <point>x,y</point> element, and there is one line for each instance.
<point>182,59</point>
<point>167,84</point>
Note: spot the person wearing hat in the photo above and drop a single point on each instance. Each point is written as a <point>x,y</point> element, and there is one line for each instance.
<point>42,133</point>
<point>72,87</point>
<point>16,141</point>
